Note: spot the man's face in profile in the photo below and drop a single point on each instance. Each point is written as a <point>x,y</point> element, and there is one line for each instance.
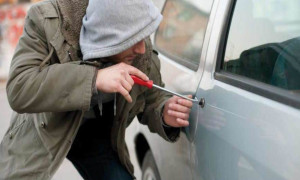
<point>130,54</point>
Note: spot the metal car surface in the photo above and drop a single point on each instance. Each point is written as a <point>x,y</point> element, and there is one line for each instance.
<point>247,129</point>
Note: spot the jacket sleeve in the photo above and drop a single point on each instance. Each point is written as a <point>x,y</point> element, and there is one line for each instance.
<point>55,88</point>
<point>155,101</point>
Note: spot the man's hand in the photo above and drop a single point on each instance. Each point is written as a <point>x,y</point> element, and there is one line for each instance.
<point>117,78</point>
<point>176,111</point>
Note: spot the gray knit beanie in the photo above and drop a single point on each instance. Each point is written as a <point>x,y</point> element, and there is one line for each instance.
<point>112,26</point>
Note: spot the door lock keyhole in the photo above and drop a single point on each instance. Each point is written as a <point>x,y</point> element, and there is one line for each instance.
<point>202,102</point>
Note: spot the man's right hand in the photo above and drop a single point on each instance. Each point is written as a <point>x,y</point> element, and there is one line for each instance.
<point>117,78</point>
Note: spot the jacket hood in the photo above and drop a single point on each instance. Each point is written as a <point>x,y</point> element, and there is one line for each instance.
<point>72,12</point>
<point>112,26</point>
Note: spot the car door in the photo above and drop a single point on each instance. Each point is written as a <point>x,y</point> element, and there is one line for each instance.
<point>249,125</point>
<point>180,40</point>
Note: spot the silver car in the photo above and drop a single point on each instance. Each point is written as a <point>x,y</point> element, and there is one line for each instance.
<point>241,60</point>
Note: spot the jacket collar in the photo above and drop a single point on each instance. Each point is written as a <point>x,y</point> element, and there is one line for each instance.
<point>71,13</point>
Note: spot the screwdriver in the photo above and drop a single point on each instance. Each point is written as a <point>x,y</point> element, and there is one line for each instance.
<point>149,84</point>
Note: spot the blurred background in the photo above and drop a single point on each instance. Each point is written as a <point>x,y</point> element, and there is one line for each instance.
<point>12,14</point>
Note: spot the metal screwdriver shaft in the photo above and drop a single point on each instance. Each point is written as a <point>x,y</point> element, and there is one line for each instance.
<point>149,84</point>
<point>158,87</point>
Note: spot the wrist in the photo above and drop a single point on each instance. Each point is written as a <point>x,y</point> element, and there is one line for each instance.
<point>98,80</point>
<point>163,120</point>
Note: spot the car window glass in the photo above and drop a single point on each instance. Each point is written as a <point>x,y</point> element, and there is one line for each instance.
<point>264,42</point>
<point>181,33</point>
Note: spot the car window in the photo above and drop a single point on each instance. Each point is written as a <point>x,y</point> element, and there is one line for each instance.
<point>180,35</point>
<point>264,42</point>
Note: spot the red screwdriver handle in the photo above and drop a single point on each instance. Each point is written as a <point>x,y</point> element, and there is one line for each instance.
<point>148,84</point>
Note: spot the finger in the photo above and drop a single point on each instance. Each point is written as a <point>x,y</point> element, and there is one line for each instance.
<point>125,93</point>
<point>189,96</point>
<point>178,114</point>
<point>175,98</point>
<point>179,108</point>
<point>185,102</point>
<point>126,85</point>
<point>134,71</point>
<point>129,79</point>
<point>182,122</point>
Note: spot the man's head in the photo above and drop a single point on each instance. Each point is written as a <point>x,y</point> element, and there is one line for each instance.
<point>116,29</point>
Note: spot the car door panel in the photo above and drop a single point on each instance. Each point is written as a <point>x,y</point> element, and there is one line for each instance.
<point>241,135</point>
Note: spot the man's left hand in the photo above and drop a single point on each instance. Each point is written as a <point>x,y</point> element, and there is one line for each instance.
<point>176,111</point>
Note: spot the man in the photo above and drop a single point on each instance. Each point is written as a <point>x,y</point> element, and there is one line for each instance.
<point>68,107</point>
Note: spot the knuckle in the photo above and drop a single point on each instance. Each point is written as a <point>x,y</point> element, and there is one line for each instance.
<point>123,65</point>
<point>131,83</point>
<point>174,106</point>
<point>126,93</point>
<point>177,114</point>
<point>182,115</point>
<point>187,110</point>
<point>129,88</point>
<point>119,87</point>
<point>122,72</point>
<point>187,116</point>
